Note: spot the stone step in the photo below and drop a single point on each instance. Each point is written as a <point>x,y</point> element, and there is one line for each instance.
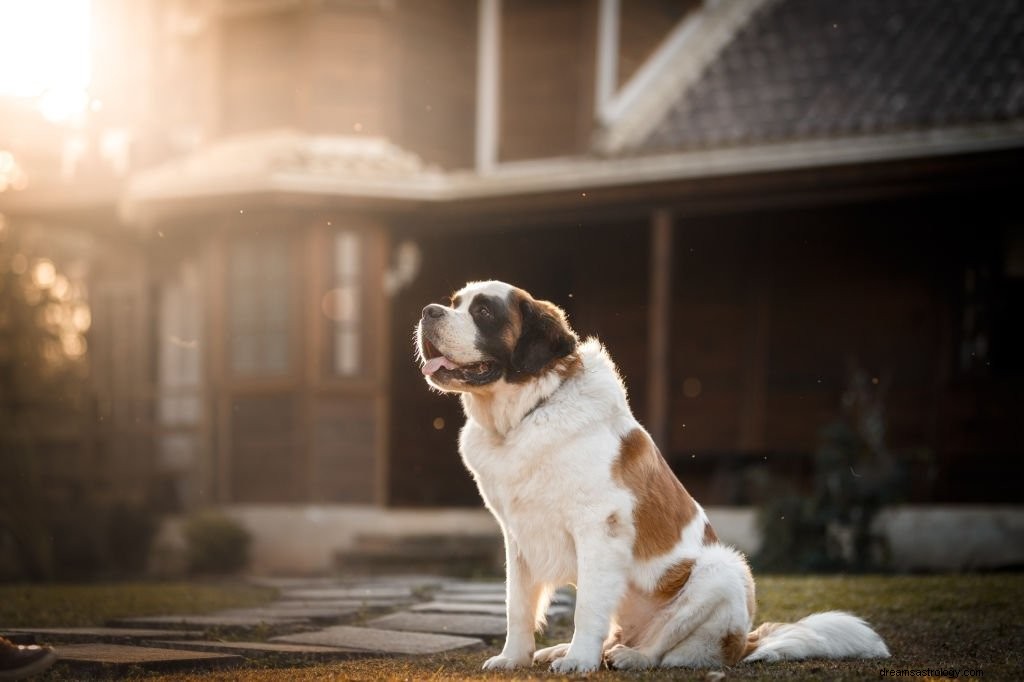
<point>452,554</point>
<point>118,658</point>
<point>308,652</point>
<point>470,625</point>
<point>382,642</point>
<point>107,635</point>
<point>230,623</point>
<point>554,611</point>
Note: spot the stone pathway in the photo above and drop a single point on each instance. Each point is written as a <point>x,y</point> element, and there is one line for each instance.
<point>311,620</point>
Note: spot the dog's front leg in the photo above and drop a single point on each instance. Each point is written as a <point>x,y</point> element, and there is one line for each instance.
<point>523,596</point>
<point>600,584</point>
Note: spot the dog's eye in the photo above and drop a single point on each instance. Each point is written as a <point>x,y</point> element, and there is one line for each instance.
<point>482,311</point>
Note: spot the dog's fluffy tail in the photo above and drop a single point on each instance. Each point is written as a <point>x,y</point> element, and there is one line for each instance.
<point>832,634</point>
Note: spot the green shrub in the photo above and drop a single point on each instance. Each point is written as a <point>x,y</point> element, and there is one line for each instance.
<point>215,544</point>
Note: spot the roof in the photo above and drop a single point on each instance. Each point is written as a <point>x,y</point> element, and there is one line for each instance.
<point>801,70</point>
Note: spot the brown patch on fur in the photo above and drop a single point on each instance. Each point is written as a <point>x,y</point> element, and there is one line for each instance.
<point>613,525</point>
<point>709,534</point>
<point>734,644</point>
<point>510,334</point>
<point>674,579</point>
<point>663,507</point>
<point>569,366</point>
<point>754,638</point>
<point>456,300</point>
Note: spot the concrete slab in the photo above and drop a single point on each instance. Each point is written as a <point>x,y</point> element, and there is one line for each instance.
<point>108,635</point>
<point>112,657</point>
<point>471,597</point>
<point>264,649</point>
<point>361,604</point>
<point>495,598</point>
<point>356,592</point>
<point>385,642</point>
<point>209,621</point>
<point>476,587</point>
<point>471,625</point>
<point>555,610</point>
<point>283,610</point>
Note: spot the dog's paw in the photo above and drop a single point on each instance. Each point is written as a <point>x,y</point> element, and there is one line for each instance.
<point>572,664</point>
<point>622,657</point>
<point>503,662</point>
<point>551,653</point>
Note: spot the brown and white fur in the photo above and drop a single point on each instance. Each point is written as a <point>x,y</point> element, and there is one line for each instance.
<point>583,497</point>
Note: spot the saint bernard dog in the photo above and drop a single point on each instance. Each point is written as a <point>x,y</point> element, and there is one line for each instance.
<point>583,497</point>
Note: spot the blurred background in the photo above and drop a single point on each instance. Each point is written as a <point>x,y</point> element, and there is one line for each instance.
<point>796,224</point>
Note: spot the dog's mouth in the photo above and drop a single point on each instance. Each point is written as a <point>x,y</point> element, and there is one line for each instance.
<point>441,368</point>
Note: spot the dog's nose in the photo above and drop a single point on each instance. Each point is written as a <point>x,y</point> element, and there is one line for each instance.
<point>433,310</point>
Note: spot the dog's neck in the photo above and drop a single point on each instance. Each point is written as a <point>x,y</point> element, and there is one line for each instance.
<point>505,406</point>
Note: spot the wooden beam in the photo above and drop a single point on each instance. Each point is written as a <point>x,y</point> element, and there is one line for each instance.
<point>659,324</point>
<point>488,75</point>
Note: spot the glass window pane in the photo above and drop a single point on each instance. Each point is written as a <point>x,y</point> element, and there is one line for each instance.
<point>259,296</point>
<point>346,256</point>
<point>244,353</point>
<point>346,352</point>
<point>275,358</point>
<point>345,304</point>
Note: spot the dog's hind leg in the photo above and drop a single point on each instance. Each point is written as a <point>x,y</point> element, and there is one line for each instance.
<point>551,653</point>
<point>678,621</point>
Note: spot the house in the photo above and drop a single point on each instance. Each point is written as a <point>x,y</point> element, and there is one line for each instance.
<point>743,198</point>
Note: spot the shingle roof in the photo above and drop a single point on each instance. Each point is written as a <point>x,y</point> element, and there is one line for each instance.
<point>811,69</point>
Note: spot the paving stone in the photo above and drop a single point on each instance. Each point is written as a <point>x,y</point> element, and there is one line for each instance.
<point>361,592</point>
<point>223,622</point>
<point>554,610</point>
<point>358,604</point>
<point>382,641</point>
<point>475,587</point>
<point>279,583</point>
<point>489,598</point>
<point>264,649</point>
<point>109,635</point>
<point>471,597</point>
<point>411,581</point>
<point>114,656</point>
<point>283,610</point>
<point>472,625</point>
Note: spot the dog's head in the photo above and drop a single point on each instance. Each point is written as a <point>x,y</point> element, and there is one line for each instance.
<point>491,332</point>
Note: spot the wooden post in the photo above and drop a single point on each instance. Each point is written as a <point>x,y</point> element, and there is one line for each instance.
<point>659,323</point>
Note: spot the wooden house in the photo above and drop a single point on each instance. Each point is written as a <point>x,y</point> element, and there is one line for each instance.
<point>741,198</point>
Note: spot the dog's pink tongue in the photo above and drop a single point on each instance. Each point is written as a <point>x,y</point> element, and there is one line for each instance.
<point>434,364</point>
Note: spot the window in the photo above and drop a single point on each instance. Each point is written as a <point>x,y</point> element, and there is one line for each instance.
<point>344,304</point>
<point>259,315</point>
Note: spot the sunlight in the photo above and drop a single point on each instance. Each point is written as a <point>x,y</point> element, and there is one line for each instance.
<point>45,54</point>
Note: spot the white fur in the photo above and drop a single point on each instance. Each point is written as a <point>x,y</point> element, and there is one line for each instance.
<point>542,454</point>
<point>832,634</point>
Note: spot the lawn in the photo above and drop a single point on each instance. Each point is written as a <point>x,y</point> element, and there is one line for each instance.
<point>967,623</point>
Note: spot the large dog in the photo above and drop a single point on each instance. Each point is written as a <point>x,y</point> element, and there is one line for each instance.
<point>583,497</point>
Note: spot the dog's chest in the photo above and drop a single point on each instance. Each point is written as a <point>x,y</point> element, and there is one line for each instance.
<point>526,491</point>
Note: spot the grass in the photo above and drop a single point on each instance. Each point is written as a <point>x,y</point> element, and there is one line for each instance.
<point>39,605</point>
<point>951,622</point>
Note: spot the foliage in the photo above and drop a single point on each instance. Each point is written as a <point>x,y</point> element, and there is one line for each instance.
<point>215,544</point>
<point>43,395</point>
<point>56,520</point>
<point>855,477</point>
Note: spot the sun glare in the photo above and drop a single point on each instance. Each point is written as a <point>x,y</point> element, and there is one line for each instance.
<point>45,54</point>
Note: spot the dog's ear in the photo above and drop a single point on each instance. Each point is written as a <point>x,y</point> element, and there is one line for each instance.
<point>545,337</point>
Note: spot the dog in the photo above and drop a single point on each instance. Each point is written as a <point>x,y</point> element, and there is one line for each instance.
<point>583,497</point>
